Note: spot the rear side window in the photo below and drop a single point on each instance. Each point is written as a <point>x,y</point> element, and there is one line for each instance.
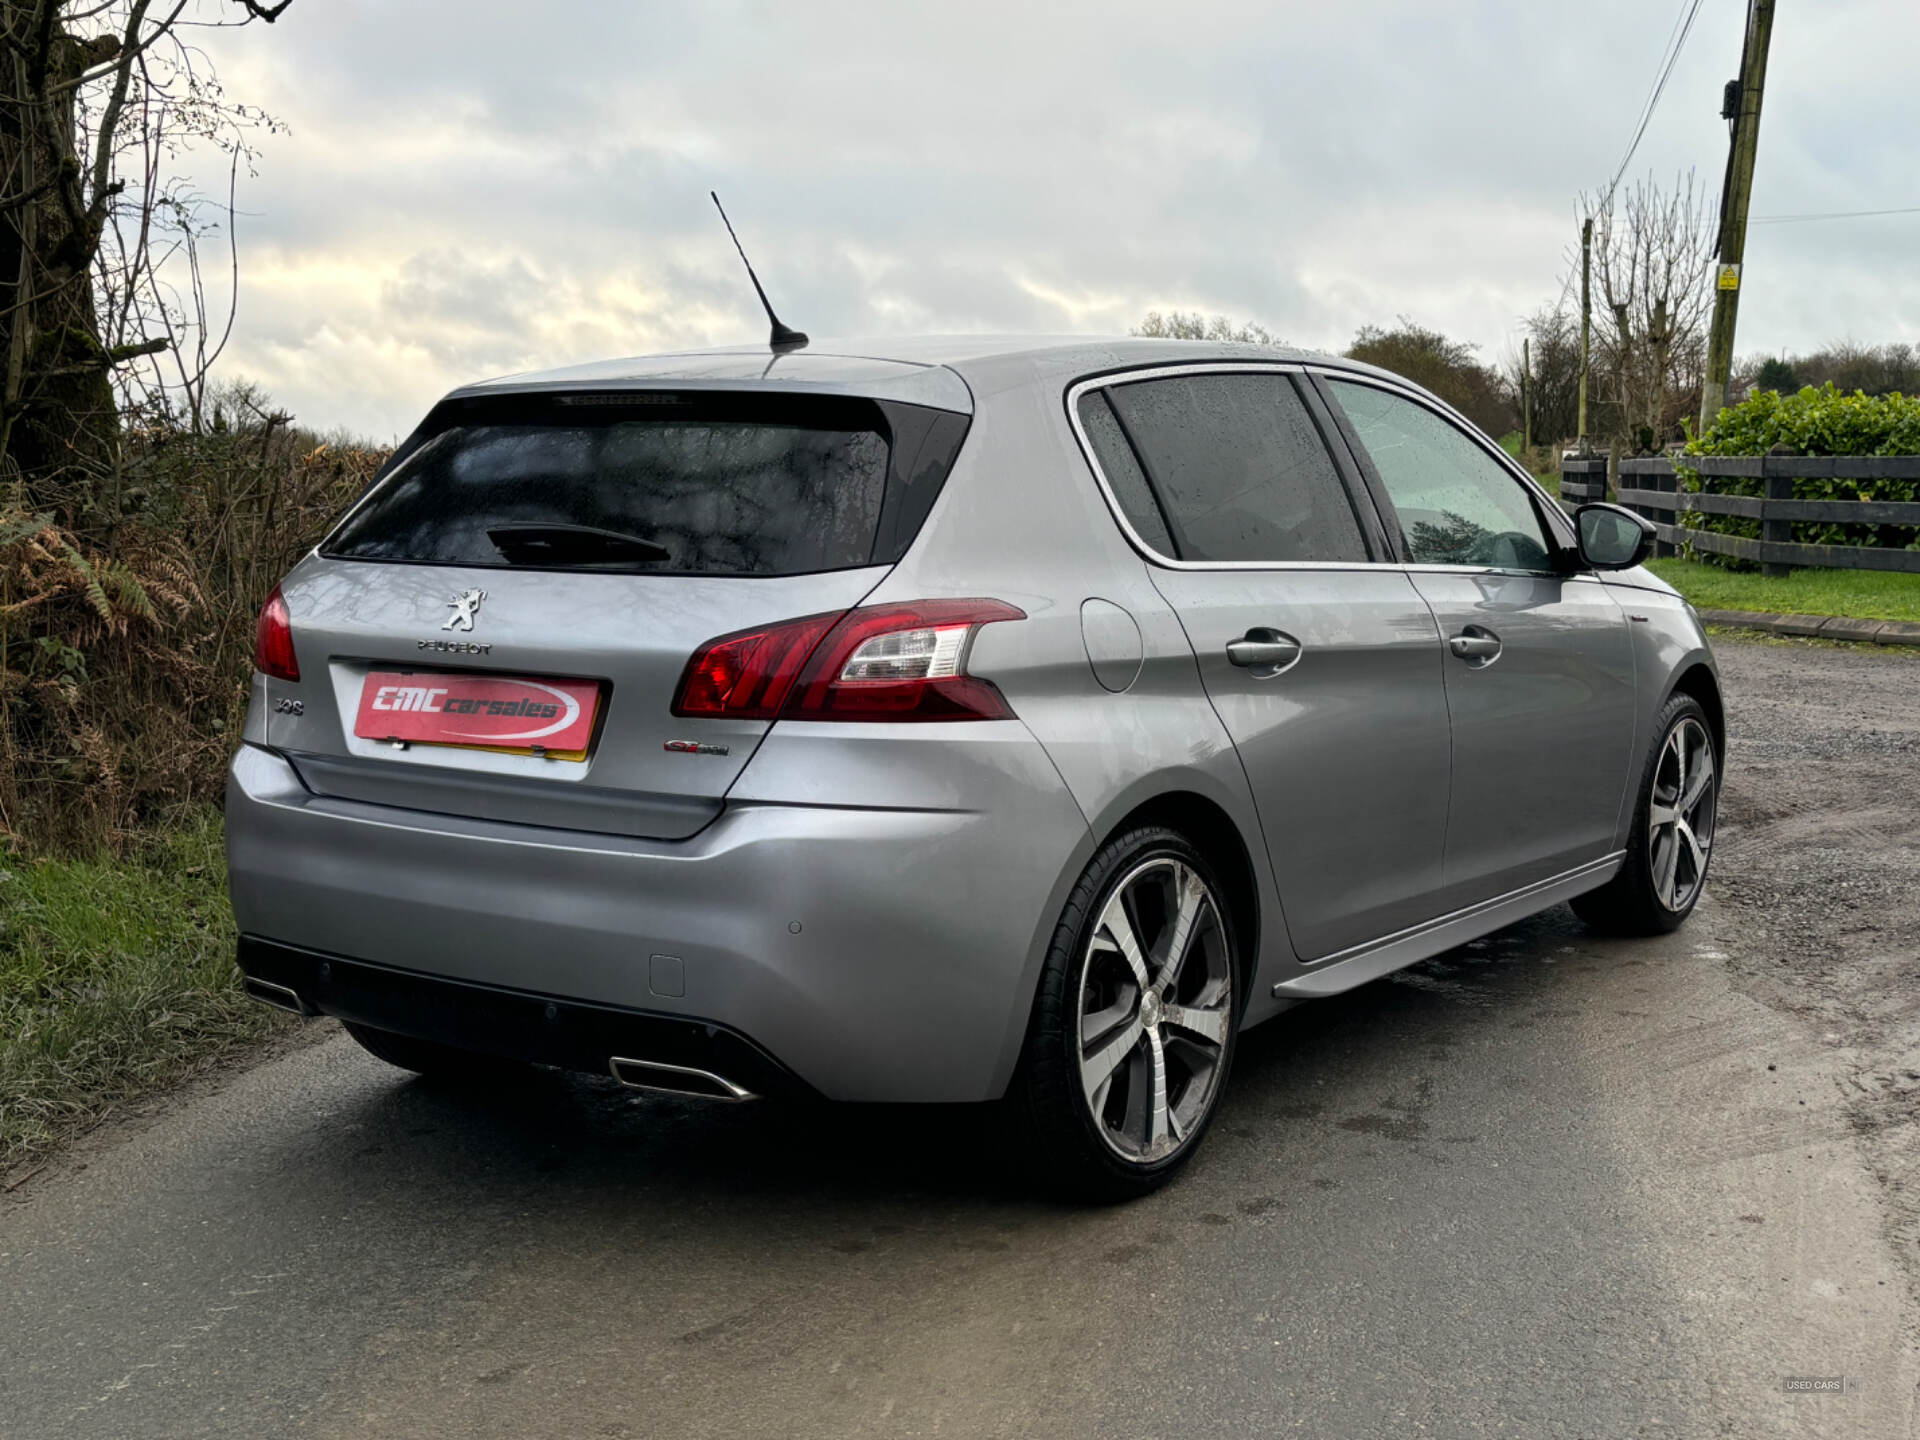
<point>1123,472</point>
<point>1240,468</point>
<point>709,485</point>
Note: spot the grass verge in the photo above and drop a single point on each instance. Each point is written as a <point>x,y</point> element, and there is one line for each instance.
<point>1857,594</point>
<point>116,978</point>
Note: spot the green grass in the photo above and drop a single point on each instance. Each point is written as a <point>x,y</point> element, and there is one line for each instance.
<point>1858,594</point>
<point>1538,464</point>
<point>116,977</point>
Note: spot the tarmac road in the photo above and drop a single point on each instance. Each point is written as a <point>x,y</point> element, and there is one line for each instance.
<point>1546,1185</point>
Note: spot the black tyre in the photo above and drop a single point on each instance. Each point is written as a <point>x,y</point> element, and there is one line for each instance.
<point>427,1057</point>
<point>1132,1035</point>
<point>1670,844</point>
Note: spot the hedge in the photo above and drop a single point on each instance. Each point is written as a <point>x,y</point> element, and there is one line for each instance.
<point>1813,422</point>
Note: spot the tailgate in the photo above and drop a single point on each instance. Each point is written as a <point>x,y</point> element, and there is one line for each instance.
<point>499,627</point>
<point>630,635</point>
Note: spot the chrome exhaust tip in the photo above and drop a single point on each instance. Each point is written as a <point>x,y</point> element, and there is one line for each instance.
<point>281,997</point>
<point>676,1080</point>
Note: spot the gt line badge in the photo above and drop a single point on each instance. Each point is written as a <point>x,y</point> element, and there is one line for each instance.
<point>465,606</point>
<point>693,747</point>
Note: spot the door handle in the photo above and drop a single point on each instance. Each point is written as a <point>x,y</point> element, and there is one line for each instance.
<point>1476,645</point>
<point>1265,652</point>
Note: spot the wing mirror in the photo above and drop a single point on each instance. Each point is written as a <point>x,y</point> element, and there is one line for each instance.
<point>1613,538</point>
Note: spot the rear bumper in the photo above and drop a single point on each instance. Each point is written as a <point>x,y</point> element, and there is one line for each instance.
<point>875,954</point>
<point>540,1028</point>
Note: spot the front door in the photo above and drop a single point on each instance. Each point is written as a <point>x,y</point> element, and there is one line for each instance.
<point>1539,665</point>
<point>1326,669</point>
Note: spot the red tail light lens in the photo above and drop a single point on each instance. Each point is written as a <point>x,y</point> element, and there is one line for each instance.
<point>886,662</point>
<point>746,675</point>
<point>273,640</point>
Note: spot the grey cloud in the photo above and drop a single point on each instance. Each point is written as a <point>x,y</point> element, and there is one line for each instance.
<point>505,184</point>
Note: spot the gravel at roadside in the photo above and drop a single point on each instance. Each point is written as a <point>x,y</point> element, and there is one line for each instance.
<point>1819,854</point>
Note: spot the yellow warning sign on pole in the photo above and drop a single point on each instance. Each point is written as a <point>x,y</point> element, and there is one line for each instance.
<point>1728,278</point>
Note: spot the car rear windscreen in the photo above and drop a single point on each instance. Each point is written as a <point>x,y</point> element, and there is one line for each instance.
<point>713,485</point>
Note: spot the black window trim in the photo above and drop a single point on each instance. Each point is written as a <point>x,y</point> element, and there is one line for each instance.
<point>1372,536</point>
<point>1553,521</point>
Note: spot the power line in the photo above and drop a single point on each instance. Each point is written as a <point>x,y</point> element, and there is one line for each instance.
<point>1829,215</point>
<point>1669,57</point>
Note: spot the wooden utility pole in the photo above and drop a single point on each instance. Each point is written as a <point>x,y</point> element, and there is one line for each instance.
<point>1586,320</point>
<point>1745,114</point>
<point>1526,395</point>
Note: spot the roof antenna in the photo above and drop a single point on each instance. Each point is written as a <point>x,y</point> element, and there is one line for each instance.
<point>782,338</point>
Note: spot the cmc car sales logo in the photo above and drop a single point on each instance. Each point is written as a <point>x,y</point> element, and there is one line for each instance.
<point>477,710</point>
<point>439,700</point>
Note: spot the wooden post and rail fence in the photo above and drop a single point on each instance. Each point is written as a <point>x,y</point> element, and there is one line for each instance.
<point>1649,486</point>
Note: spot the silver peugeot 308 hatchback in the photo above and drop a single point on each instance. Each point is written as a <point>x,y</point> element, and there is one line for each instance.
<point>951,720</point>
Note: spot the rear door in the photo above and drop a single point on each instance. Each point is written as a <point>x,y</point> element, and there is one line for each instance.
<point>1325,669</point>
<point>577,550</point>
<point>1539,667</point>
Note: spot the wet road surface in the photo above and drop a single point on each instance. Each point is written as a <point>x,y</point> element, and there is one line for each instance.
<point>1546,1185</point>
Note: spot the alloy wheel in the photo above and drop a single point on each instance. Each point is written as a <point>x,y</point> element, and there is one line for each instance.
<point>1681,815</point>
<point>1155,1007</point>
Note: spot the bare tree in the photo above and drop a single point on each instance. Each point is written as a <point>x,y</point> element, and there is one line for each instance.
<point>1181,325</point>
<point>98,100</point>
<point>1652,250</point>
<point>1554,331</point>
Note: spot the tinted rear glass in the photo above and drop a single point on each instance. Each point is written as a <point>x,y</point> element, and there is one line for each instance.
<point>723,485</point>
<point>1123,471</point>
<point>1240,468</point>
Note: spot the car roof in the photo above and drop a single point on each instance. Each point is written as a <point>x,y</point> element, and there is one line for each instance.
<point>943,370</point>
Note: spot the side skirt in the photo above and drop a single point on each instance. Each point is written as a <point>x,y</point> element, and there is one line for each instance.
<point>1346,969</point>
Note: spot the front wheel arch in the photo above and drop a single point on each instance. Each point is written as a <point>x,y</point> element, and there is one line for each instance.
<point>1698,681</point>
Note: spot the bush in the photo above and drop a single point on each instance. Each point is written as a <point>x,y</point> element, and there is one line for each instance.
<point>126,633</point>
<point>1812,422</point>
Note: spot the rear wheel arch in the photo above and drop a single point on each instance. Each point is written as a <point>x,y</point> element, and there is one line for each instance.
<point>1215,835</point>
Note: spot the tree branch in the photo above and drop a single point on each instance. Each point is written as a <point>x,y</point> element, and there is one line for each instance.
<point>120,354</point>
<point>116,101</point>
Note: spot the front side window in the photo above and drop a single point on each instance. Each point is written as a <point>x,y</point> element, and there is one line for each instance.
<point>1457,506</point>
<point>1239,468</point>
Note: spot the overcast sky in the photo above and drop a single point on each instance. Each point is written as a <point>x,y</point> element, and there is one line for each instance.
<point>473,187</point>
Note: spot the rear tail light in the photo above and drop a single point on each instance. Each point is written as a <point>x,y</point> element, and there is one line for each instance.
<point>273,640</point>
<point>901,662</point>
<point>746,675</point>
<point>886,662</point>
